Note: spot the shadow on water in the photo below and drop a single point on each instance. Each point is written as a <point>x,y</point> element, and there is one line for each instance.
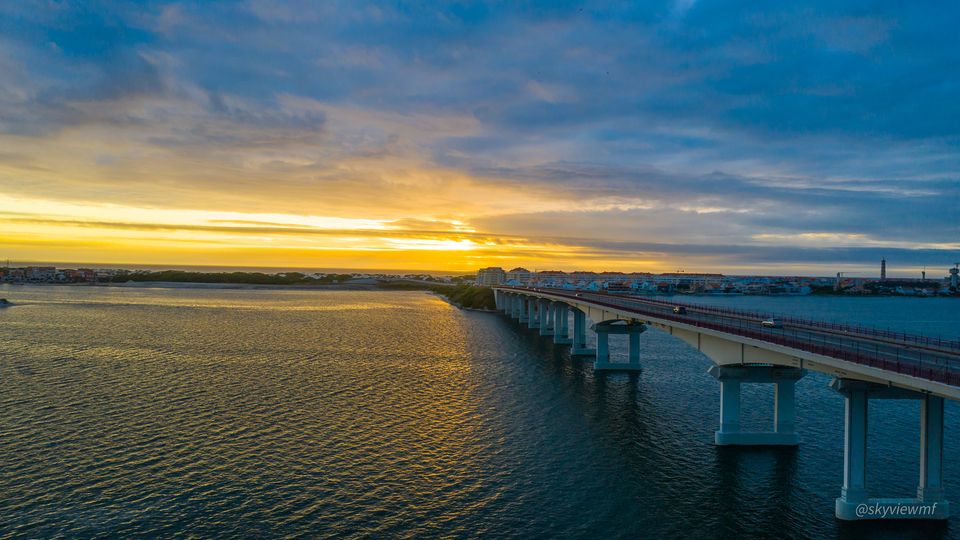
<point>756,486</point>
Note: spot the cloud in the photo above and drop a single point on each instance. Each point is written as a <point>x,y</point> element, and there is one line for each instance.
<point>683,123</point>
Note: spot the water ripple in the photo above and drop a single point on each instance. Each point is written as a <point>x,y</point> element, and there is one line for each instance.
<point>233,413</point>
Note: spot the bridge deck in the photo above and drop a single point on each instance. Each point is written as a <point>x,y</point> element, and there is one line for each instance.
<point>917,356</point>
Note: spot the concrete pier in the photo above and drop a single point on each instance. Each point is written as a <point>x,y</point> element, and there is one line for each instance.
<point>631,329</point>
<point>515,306</point>
<point>546,326</point>
<point>580,335</point>
<point>854,502</point>
<point>561,324</point>
<point>784,408</point>
<point>533,313</point>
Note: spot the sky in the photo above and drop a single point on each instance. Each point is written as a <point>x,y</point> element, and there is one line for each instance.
<point>769,137</point>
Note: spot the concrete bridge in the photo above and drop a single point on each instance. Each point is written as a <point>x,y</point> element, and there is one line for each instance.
<point>866,364</point>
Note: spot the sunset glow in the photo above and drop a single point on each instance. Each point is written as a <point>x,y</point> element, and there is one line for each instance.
<point>458,143</point>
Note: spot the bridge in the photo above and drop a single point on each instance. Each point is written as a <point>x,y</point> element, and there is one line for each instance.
<point>748,347</point>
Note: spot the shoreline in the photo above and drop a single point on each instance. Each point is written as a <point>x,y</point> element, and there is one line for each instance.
<point>385,286</point>
<point>218,286</point>
<point>458,306</point>
<point>242,286</point>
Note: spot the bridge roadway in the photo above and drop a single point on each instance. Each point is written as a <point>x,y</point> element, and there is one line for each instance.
<point>936,360</point>
<point>918,357</point>
<point>867,364</point>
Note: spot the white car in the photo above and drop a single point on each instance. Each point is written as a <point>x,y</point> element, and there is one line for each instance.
<point>771,323</point>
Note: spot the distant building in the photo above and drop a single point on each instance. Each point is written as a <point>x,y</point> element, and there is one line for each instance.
<point>491,276</point>
<point>551,278</point>
<point>519,276</point>
<point>618,287</point>
<point>883,269</point>
<point>41,273</point>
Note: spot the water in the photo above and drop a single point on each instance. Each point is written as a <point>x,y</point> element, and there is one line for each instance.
<point>227,413</point>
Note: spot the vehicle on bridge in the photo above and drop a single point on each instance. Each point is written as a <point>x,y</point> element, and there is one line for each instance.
<point>772,322</point>
<point>680,310</point>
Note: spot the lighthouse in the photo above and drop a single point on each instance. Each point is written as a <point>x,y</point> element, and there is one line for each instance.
<point>883,269</point>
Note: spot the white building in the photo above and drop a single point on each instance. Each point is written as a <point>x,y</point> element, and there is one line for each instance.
<point>41,273</point>
<point>519,276</point>
<point>491,276</point>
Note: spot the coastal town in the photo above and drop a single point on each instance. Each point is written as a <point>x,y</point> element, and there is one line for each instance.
<point>639,283</point>
<point>52,275</point>
<point>634,283</point>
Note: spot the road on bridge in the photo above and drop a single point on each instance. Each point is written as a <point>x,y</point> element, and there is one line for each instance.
<point>932,359</point>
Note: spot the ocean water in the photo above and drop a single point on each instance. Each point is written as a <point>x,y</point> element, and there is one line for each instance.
<point>263,413</point>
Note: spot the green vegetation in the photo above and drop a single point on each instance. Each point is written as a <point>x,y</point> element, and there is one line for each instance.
<point>468,296</point>
<point>459,293</point>
<point>823,289</point>
<point>254,278</point>
<point>402,285</point>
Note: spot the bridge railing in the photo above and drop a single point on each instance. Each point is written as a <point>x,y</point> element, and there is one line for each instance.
<point>903,337</point>
<point>934,368</point>
<point>946,345</point>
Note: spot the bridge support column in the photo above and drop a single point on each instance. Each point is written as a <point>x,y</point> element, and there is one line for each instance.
<point>854,490</point>
<point>580,335</point>
<point>515,307</point>
<point>603,330</point>
<point>731,377</point>
<point>546,326</point>
<point>854,502</point>
<point>931,449</point>
<point>551,317</point>
<point>784,407</point>
<point>533,313</point>
<point>524,313</point>
<point>561,326</point>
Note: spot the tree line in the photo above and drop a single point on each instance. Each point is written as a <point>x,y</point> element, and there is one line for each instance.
<point>251,278</point>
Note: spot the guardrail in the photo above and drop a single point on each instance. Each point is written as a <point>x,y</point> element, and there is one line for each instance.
<point>939,343</point>
<point>934,368</point>
<point>946,345</point>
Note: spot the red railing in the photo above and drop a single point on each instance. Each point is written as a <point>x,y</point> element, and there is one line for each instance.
<point>938,368</point>
<point>938,343</point>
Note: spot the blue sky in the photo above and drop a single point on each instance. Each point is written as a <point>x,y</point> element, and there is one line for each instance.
<point>705,135</point>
